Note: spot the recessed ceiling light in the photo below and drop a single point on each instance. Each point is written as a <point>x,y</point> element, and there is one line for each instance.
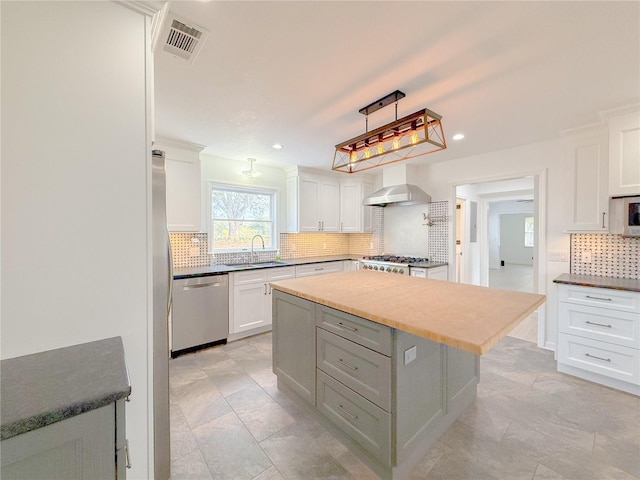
<point>277,146</point>
<point>458,136</point>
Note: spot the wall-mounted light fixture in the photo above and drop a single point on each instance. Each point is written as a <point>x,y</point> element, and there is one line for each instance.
<point>251,172</point>
<point>417,134</point>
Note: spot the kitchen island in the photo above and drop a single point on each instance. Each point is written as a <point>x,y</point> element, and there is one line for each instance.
<point>387,363</point>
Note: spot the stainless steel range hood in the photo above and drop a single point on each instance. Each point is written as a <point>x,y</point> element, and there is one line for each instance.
<point>397,195</point>
<point>396,191</point>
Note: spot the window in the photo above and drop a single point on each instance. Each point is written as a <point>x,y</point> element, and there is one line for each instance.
<point>240,213</point>
<point>528,231</point>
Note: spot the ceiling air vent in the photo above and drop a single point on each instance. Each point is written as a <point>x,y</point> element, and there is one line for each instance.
<point>181,38</point>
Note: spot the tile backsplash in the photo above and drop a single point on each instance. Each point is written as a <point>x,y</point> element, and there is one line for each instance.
<point>190,249</point>
<point>605,255</point>
<point>438,239</point>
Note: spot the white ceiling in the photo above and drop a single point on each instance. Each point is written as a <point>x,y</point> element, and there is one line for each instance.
<point>296,73</point>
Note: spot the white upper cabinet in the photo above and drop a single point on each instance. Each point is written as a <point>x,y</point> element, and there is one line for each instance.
<point>588,195</point>
<point>624,154</point>
<point>325,203</point>
<point>183,184</point>
<point>354,217</point>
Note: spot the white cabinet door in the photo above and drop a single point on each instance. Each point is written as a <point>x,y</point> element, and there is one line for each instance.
<point>588,202</point>
<point>367,212</point>
<point>249,306</point>
<point>624,155</point>
<point>183,184</point>
<point>350,207</point>
<point>438,273</point>
<point>329,201</point>
<point>308,204</point>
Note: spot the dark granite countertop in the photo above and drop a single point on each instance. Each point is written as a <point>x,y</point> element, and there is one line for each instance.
<point>46,387</point>
<point>628,284</point>
<point>190,272</point>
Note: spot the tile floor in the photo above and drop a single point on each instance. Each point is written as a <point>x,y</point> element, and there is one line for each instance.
<point>229,421</point>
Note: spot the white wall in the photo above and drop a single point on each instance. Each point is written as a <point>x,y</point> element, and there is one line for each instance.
<point>512,249</point>
<point>522,161</point>
<point>496,209</point>
<point>75,252</point>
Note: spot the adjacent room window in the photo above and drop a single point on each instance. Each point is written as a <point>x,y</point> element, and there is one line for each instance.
<point>528,231</point>
<point>240,213</point>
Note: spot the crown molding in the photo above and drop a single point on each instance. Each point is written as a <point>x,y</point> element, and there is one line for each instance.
<point>176,143</point>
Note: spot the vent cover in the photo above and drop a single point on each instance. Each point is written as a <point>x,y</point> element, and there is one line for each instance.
<point>181,38</point>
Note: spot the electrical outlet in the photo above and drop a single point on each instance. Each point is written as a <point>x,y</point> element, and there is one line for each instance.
<point>586,256</point>
<point>324,246</point>
<point>371,245</point>
<point>293,247</point>
<point>194,251</point>
<point>410,354</point>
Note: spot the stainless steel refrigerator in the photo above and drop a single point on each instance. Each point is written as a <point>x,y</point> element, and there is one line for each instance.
<point>162,289</point>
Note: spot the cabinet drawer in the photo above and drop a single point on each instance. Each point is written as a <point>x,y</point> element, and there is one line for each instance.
<point>369,334</point>
<point>250,276</point>
<point>613,326</point>
<point>367,424</point>
<point>319,268</point>
<point>281,273</point>
<point>363,370</point>
<point>604,358</point>
<point>601,297</point>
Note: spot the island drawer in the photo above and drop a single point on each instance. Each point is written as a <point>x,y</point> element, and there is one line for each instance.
<point>367,424</point>
<point>613,326</point>
<point>361,369</point>
<point>600,297</point>
<point>369,334</point>
<point>600,357</point>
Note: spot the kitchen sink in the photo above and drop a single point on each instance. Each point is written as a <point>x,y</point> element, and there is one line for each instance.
<point>258,264</point>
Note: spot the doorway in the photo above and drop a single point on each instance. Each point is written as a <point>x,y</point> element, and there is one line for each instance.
<point>508,210</point>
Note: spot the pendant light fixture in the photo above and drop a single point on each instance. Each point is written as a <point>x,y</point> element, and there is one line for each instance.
<point>417,134</point>
<point>251,172</point>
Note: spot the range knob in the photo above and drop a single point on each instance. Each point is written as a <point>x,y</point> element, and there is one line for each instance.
<point>388,269</point>
<point>395,270</point>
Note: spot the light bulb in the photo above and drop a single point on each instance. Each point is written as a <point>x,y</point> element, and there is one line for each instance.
<point>414,137</point>
<point>367,153</point>
<point>353,157</point>
<point>396,143</point>
<point>380,148</point>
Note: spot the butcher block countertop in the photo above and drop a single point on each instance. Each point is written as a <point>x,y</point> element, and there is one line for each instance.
<point>462,316</point>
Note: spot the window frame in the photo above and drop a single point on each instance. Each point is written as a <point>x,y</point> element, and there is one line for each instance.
<point>529,234</point>
<point>230,187</point>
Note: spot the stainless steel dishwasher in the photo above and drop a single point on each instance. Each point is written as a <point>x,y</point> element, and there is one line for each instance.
<point>200,313</point>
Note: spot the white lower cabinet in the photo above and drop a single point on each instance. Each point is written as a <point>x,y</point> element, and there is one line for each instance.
<point>435,273</point>
<point>599,336</point>
<point>311,269</point>
<point>250,303</point>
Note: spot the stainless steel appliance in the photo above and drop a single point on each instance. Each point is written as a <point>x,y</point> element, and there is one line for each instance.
<point>162,279</point>
<point>200,315</point>
<point>631,217</point>
<point>390,263</point>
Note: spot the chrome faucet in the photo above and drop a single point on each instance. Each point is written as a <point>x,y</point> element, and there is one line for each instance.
<point>252,254</point>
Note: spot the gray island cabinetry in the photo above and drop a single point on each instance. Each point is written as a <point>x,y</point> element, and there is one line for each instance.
<point>386,393</point>
<point>63,413</point>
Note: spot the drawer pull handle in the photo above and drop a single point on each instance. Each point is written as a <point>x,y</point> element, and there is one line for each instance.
<point>598,324</point>
<point>319,269</point>
<point>346,327</point>
<point>599,298</point>
<point>347,365</point>
<point>353,417</point>
<point>599,358</point>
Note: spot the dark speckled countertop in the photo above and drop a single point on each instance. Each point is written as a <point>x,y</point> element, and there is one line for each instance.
<point>628,284</point>
<point>47,387</point>
<point>221,269</point>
